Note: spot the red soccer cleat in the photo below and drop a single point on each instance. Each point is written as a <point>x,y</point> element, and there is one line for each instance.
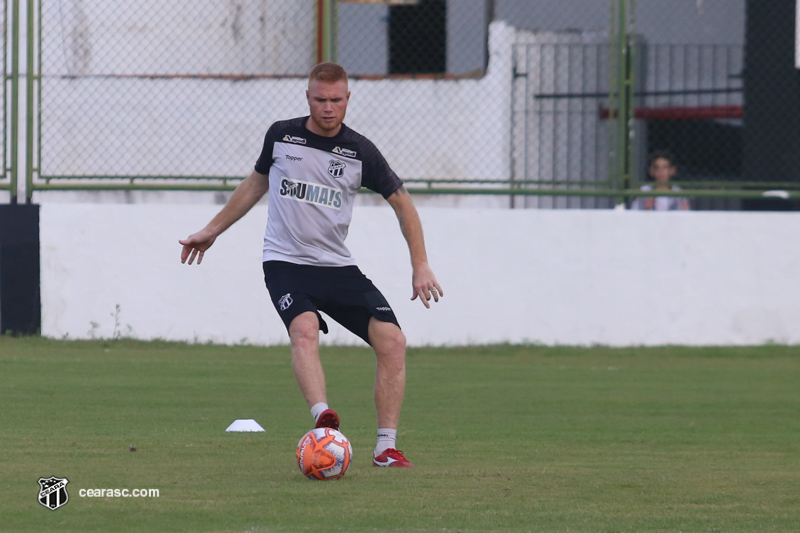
<point>328,419</point>
<point>392,457</point>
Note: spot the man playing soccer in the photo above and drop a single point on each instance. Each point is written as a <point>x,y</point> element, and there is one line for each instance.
<point>313,167</point>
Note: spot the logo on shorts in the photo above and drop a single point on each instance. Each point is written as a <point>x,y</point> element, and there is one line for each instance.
<point>336,168</point>
<point>53,492</point>
<point>285,301</point>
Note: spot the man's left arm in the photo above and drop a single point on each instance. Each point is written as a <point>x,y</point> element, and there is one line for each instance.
<point>423,281</point>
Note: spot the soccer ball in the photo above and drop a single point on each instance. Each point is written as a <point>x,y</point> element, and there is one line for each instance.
<point>324,453</point>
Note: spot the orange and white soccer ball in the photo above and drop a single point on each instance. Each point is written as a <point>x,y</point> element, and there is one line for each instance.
<point>324,453</point>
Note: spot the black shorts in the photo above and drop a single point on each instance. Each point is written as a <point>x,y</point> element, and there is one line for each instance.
<point>343,293</point>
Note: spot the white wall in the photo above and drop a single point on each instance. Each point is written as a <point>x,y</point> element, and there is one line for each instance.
<point>553,277</point>
<point>101,37</point>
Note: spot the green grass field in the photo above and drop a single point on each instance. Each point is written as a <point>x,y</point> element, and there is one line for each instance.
<point>504,438</point>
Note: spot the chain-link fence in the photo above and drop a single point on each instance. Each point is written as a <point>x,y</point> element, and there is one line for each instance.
<point>155,89</point>
<point>559,102</point>
<point>720,91</point>
<point>148,88</point>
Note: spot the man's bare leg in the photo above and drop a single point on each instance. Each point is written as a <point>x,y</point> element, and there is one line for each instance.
<point>389,344</point>
<point>304,334</point>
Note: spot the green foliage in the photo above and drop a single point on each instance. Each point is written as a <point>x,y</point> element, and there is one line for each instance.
<point>506,438</point>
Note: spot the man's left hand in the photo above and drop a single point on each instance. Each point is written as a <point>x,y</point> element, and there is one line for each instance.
<point>425,286</point>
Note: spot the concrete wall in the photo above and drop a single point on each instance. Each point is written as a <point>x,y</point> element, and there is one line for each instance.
<point>153,37</point>
<point>554,277</point>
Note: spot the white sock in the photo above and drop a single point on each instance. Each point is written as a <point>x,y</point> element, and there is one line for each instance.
<point>317,409</point>
<point>387,438</point>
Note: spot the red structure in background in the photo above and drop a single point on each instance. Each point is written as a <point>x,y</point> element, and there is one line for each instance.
<point>686,113</point>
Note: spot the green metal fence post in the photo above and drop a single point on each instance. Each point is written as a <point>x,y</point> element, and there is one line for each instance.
<point>29,116</point>
<point>37,122</point>
<point>613,107</point>
<point>6,78</point>
<point>326,31</point>
<point>630,93</point>
<point>14,145</point>
<point>621,96</point>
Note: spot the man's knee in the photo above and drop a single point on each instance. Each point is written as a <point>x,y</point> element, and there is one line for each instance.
<point>397,341</point>
<point>304,328</point>
<point>387,338</point>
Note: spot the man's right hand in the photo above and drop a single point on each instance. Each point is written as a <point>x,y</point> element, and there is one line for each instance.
<point>196,244</point>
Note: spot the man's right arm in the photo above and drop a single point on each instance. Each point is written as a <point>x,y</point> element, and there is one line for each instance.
<point>246,195</point>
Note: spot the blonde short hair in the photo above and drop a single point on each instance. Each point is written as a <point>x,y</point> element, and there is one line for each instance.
<point>328,72</point>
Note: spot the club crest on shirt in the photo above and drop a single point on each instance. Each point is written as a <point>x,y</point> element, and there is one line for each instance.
<point>336,168</point>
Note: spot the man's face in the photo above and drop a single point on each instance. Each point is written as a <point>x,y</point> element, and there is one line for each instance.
<point>662,170</point>
<point>327,102</point>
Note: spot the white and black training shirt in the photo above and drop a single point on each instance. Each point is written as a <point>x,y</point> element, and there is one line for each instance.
<point>313,181</point>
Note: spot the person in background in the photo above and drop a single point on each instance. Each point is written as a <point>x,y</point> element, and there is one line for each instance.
<point>661,168</point>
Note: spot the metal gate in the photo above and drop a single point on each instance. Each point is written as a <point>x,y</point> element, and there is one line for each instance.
<point>573,127</point>
<point>560,141</point>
